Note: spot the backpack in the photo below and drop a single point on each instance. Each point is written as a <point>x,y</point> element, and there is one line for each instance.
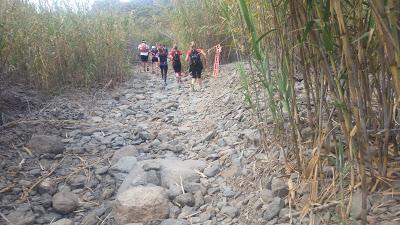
<point>195,58</point>
<point>163,59</point>
<point>176,58</point>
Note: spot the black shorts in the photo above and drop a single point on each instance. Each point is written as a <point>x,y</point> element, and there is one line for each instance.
<point>154,59</point>
<point>177,67</point>
<point>144,58</point>
<point>196,73</point>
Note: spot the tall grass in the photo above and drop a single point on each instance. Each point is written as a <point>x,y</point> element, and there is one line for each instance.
<point>51,46</point>
<point>334,67</point>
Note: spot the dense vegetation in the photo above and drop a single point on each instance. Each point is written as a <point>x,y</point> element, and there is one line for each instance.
<point>61,44</point>
<point>327,73</point>
<point>347,56</point>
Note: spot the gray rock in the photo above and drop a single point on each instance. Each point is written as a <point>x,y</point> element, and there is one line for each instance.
<point>227,192</point>
<point>213,190</point>
<point>21,217</point>
<point>77,181</point>
<point>126,151</point>
<point>198,198</point>
<point>356,204</point>
<point>273,208</point>
<point>279,187</point>
<point>153,177</point>
<point>174,222</point>
<point>212,169</point>
<point>124,164</point>
<point>65,202</point>
<point>90,219</point>
<point>48,218</point>
<point>172,171</point>
<point>210,135</point>
<point>136,177</point>
<point>47,186</point>
<point>186,212</point>
<point>251,135</point>
<point>151,165</point>
<point>107,193</point>
<point>141,205</point>
<point>266,195</point>
<point>185,199</point>
<point>63,222</point>
<point>42,144</point>
<point>174,211</point>
<point>101,170</point>
<point>97,119</point>
<point>169,147</point>
<point>230,211</point>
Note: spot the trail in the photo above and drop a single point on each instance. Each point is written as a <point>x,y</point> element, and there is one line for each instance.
<point>107,134</point>
<point>145,153</point>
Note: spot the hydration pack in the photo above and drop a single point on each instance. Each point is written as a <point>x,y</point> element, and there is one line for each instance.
<point>176,58</point>
<point>195,58</point>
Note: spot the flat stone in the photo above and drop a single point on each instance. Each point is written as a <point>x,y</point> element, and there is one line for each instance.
<point>230,211</point>
<point>174,222</point>
<point>124,164</point>
<point>129,150</point>
<point>42,144</point>
<point>266,195</point>
<point>77,181</point>
<point>212,170</point>
<point>279,187</point>
<point>185,199</point>
<point>273,208</point>
<point>63,222</point>
<point>21,218</point>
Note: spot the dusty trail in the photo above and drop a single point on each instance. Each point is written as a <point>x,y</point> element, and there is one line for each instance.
<point>150,154</point>
<point>72,161</point>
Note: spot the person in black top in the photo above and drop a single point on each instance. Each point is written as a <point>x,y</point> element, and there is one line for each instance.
<point>163,62</point>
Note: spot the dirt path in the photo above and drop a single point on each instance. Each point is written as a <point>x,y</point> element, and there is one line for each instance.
<point>77,150</point>
<point>149,154</point>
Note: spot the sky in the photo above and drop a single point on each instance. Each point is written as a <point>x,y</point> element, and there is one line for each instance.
<point>51,2</point>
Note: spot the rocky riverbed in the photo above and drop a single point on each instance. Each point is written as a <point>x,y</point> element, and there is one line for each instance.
<point>144,153</point>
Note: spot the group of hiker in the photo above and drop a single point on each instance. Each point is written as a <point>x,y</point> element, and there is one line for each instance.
<point>159,55</point>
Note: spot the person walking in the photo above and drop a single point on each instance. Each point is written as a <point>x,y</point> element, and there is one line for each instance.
<point>144,54</point>
<point>154,57</point>
<point>175,56</point>
<point>163,62</point>
<point>193,57</point>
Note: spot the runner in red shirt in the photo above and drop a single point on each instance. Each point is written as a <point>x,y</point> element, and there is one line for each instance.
<point>175,56</point>
<point>193,57</point>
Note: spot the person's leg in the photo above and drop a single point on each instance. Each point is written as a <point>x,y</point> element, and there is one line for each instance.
<point>165,74</point>
<point>199,80</point>
<point>142,61</point>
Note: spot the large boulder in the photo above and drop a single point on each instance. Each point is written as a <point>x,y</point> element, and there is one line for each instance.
<point>46,144</point>
<point>141,205</point>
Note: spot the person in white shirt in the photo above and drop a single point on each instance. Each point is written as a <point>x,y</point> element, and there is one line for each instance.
<point>144,54</point>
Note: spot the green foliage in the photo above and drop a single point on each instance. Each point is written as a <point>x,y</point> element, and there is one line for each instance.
<point>51,47</point>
